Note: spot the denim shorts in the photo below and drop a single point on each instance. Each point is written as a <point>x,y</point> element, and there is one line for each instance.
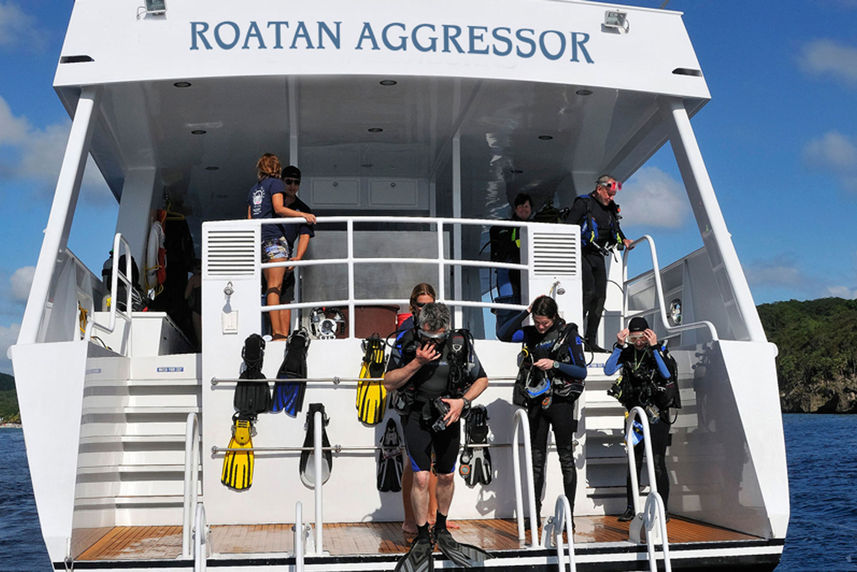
<point>275,249</point>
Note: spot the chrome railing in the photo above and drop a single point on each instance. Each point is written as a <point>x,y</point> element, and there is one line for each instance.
<point>200,539</point>
<point>120,248</point>
<point>523,424</point>
<point>659,295</point>
<point>192,458</point>
<point>562,520</point>
<point>653,518</point>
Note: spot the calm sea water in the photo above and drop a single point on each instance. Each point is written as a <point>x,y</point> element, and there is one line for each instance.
<point>822,458</point>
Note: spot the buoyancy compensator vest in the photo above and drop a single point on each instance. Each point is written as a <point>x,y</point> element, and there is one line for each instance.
<point>562,344</point>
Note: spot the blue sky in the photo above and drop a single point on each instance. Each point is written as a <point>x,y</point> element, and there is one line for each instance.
<point>779,138</point>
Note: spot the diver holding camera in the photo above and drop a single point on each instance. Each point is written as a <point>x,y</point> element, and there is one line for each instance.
<point>437,375</point>
<point>649,380</point>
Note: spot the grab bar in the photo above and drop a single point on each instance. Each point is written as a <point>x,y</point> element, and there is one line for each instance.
<point>562,520</point>
<point>200,545</point>
<point>191,489</point>
<point>520,420</point>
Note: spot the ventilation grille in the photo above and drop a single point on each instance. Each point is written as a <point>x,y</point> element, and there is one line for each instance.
<point>230,252</point>
<point>555,254</point>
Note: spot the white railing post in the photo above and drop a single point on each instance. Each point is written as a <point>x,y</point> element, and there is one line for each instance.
<point>562,520</point>
<point>659,294</point>
<point>299,537</point>
<point>200,544</point>
<point>521,422</point>
<point>318,426</point>
<point>352,316</point>
<point>635,528</point>
<point>191,485</point>
<point>654,515</point>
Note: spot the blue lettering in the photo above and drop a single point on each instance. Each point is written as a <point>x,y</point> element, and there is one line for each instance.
<point>544,47</point>
<point>474,37</point>
<point>303,34</point>
<point>236,35</point>
<point>367,34</point>
<point>197,29</point>
<point>528,41</point>
<point>575,43</point>
<point>334,38</point>
<point>503,39</point>
<point>432,39</point>
<point>253,32</point>
<point>278,38</point>
<point>403,40</point>
<point>451,38</point>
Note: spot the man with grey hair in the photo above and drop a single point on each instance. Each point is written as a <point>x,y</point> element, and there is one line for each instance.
<point>437,375</point>
<point>598,218</point>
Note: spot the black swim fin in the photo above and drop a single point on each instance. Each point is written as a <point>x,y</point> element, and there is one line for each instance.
<point>475,462</point>
<point>289,395</point>
<point>465,555</point>
<point>418,558</point>
<point>390,462</point>
<point>252,393</point>
<point>307,462</point>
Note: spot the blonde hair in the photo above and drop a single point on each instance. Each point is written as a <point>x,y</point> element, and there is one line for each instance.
<point>268,165</point>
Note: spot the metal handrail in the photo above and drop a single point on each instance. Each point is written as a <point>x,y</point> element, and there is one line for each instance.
<point>520,421</point>
<point>318,426</point>
<point>299,537</point>
<point>192,448</point>
<point>351,262</point>
<point>200,544</point>
<point>651,518</point>
<point>562,520</point>
<point>656,273</point>
<point>119,244</point>
<point>327,380</point>
<point>655,534</point>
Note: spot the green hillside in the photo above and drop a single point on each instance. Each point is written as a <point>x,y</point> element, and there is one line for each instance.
<point>8,400</point>
<point>817,363</point>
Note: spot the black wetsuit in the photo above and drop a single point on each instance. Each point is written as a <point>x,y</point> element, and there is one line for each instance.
<point>559,414</point>
<point>505,247</point>
<point>603,233</point>
<point>428,383</point>
<point>640,370</point>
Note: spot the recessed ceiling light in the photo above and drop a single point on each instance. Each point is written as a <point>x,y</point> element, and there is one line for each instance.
<point>388,82</point>
<point>199,132</point>
<point>375,130</point>
<point>583,92</point>
<point>182,84</point>
<point>545,137</point>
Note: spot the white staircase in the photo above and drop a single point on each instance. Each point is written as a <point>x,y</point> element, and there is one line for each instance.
<point>132,447</point>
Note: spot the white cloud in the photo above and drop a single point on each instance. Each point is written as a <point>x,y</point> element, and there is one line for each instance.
<point>775,273</point>
<point>20,282</point>
<point>8,336</point>
<point>830,58</point>
<point>836,154</point>
<point>653,198</point>
<point>37,155</point>
<point>17,28</point>
<point>842,292</point>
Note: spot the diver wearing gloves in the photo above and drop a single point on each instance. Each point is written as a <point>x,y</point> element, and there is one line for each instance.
<point>437,375</point>
<point>552,368</point>
<point>648,382</point>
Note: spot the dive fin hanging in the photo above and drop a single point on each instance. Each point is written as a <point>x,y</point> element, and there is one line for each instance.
<point>371,401</point>
<point>475,462</point>
<point>289,395</point>
<point>307,461</point>
<point>390,462</point>
<point>252,396</point>
<point>238,463</point>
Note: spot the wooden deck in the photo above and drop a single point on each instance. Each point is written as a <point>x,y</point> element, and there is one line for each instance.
<point>157,542</point>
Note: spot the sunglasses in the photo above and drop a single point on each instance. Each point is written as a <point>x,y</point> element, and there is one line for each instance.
<point>291,181</point>
<point>420,304</point>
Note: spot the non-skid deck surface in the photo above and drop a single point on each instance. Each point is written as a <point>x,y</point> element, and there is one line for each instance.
<point>154,542</point>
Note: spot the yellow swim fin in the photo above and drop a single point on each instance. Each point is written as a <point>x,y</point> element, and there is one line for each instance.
<point>238,462</point>
<point>371,401</point>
